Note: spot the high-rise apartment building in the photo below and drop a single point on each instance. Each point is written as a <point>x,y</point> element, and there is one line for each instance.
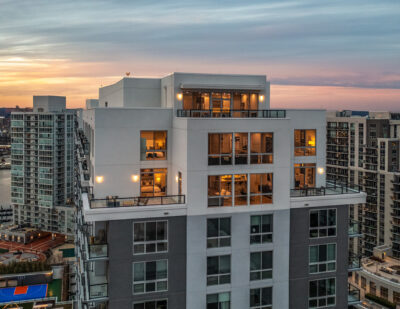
<point>363,148</point>
<point>42,166</point>
<point>193,194</point>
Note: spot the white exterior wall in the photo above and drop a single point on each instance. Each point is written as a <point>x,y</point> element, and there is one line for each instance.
<point>117,157</point>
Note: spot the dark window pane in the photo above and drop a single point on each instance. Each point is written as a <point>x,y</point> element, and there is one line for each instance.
<point>151,230</point>
<point>138,232</point>
<point>150,270</point>
<point>212,227</point>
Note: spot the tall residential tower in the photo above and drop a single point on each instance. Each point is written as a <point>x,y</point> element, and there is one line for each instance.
<point>42,161</point>
<point>193,194</point>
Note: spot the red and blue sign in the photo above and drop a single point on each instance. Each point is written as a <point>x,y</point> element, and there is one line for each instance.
<point>19,293</point>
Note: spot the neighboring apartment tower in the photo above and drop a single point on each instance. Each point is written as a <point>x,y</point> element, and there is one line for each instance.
<point>363,148</point>
<point>194,194</point>
<point>42,166</point>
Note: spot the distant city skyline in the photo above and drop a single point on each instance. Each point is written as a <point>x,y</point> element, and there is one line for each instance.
<point>332,55</point>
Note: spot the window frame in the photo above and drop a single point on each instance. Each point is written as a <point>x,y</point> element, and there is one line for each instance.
<point>262,195</point>
<point>146,282</point>
<point>261,271</point>
<point>153,171</point>
<point>146,151</point>
<point>326,296</point>
<point>261,156</point>
<point>261,234</point>
<point>326,262</point>
<point>305,149</point>
<point>220,155</point>
<point>218,297</point>
<point>326,227</point>
<point>219,237</point>
<point>261,306</point>
<point>155,242</point>
<point>144,302</point>
<point>219,276</point>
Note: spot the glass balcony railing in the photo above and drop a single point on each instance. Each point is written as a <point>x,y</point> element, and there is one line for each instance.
<point>137,201</point>
<point>231,113</point>
<point>354,262</point>
<point>98,251</point>
<point>353,296</point>
<point>354,228</point>
<point>98,290</point>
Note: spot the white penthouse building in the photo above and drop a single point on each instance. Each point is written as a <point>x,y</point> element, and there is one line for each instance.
<point>194,194</point>
<point>42,166</point>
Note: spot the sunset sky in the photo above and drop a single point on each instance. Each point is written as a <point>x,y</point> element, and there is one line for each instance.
<point>316,53</point>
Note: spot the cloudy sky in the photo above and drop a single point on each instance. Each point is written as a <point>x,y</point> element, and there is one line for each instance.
<point>316,53</point>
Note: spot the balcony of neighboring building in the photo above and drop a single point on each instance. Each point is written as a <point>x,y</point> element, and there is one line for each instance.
<point>353,296</point>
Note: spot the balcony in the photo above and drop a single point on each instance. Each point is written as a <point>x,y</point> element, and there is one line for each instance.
<point>354,262</point>
<point>353,296</point>
<point>98,291</point>
<point>138,201</point>
<point>230,113</point>
<point>354,228</point>
<point>98,251</point>
<point>331,188</point>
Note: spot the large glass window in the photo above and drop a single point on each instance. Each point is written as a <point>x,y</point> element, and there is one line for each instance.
<point>154,304</point>
<point>260,265</point>
<point>261,298</point>
<point>220,190</point>
<point>322,293</point>
<point>153,182</point>
<point>218,232</point>
<point>150,276</point>
<point>261,149</point>
<point>322,223</point>
<point>219,301</point>
<point>240,189</point>
<point>241,148</point>
<point>153,145</point>
<point>150,237</point>
<point>218,269</point>
<point>221,102</point>
<point>261,229</point>
<point>196,100</point>
<point>322,258</point>
<point>261,188</point>
<point>219,148</point>
<point>304,142</point>
<point>304,175</point>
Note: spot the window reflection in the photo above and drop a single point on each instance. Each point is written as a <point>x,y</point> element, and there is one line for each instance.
<point>153,145</point>
<point>261,148</point>
<point>153,182</point>
<point>304,175</point>
<point>260,189</point>
<point>304,142</point>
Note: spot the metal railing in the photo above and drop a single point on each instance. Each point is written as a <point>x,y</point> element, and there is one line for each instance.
<point>231,113</point>
<point>331,188</point>
<point>138,201</point>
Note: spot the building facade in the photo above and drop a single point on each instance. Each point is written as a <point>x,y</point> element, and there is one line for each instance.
<point>42,166</point>
<point>192,193</point>
<point>363,149</point>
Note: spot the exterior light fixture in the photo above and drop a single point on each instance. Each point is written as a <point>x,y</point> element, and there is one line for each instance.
<point>135,178</point>
<point>261,98</point>
<point>321,170</point>
<point>177,178</point>
<point>179,96</point>
<point>99,179</point>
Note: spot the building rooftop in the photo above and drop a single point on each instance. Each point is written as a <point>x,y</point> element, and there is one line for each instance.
<point>388,268</point>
